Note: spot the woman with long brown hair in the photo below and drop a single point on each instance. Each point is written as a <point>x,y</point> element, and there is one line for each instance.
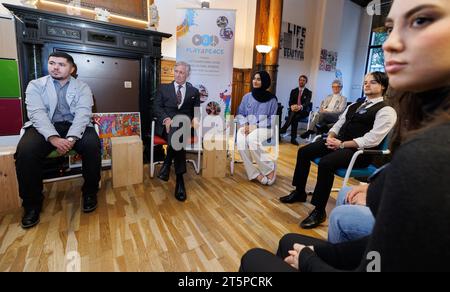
<point>410,199</point>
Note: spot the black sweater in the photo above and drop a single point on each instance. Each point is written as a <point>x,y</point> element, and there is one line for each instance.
<point>411,203</point>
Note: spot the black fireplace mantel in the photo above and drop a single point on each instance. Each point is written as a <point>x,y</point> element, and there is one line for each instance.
<point>39,33</point>
<point>41,25</point>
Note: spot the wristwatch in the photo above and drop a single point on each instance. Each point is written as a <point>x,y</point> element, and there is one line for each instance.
<point>342,146</point>
<point>72,139</point>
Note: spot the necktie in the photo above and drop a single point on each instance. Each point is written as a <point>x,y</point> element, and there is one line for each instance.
<point>300,94</point>
<point>179,95</point>
<point>364,106</point>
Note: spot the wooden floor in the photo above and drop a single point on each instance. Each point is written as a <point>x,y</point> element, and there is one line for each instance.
<point>143,227</point>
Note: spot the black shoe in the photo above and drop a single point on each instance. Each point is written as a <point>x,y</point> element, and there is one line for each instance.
<point>307,134</point>
<point>89,203</point>
<point>293,197</point>
<point>30,218</point>
<point>164,173</point>
<point>294,142</point>
<point>283,131</point>
<point>180,190</point>
<point>314,219</point>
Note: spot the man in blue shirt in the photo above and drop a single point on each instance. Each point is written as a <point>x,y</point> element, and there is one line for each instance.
<point>59,108</point>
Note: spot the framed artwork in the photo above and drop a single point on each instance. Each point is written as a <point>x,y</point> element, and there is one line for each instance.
<point>328,60</point>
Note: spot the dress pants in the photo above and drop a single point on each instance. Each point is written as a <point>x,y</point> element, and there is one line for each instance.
<point>178,157</point>
<point>323,119</point>
<point>293,120</point>
<point>32,152</point>
<point>331,160</point>
<point>251,149</point>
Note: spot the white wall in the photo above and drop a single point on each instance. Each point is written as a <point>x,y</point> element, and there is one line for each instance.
<point>8,141</point>
<point>336,25</point>
<point>331,41</point>
<point>348,47</point>
<point>341,34</point>
<point>5,12</point>
<point>304,13</point>
<point>245,32</point>
<point>359,69</point>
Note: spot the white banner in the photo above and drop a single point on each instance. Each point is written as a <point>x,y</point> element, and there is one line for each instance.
<point>205,40</point>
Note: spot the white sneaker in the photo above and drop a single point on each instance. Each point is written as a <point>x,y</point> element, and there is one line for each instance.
<point>263,181</point>
<point>271,182</point>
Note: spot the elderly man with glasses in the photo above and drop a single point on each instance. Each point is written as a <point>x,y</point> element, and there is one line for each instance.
<point>330,110</point>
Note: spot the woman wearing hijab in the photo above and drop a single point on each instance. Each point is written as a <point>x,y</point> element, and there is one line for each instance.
<point>255,117</point>
<point>410,198</point>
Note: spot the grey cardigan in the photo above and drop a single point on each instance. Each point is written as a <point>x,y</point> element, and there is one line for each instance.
<point>41,101</point>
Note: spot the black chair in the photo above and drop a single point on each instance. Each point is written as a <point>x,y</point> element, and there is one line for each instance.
<point>350,171</point>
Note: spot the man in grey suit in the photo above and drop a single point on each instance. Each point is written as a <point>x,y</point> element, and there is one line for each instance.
<point>59,108</point>
<point>330,110</point>
<point>178,98</point>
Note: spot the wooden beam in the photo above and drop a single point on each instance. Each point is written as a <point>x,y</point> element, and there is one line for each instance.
<point>274,30</point>
<point>269,15</point>
<point>261,28</point>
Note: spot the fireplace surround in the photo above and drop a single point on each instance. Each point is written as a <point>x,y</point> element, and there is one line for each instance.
<point>121,64</point>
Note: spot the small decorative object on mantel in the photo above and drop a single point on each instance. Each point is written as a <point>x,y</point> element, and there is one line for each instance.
<point>28,3</point>
<point>153,13</point>
<point>102,14</point>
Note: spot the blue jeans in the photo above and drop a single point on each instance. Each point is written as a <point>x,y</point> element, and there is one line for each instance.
<point>349,222</point>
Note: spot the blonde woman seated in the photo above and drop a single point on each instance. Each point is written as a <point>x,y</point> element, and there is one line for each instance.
<point>255,115</point>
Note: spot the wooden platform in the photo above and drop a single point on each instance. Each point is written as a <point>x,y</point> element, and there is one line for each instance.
<point>143,227</point>
<point>9,189</point>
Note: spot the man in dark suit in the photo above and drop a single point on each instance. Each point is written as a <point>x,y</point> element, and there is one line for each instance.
<point>173,100</point>
<point>299,107</point>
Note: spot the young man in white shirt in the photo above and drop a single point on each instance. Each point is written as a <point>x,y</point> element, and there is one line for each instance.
<point>361,126</point>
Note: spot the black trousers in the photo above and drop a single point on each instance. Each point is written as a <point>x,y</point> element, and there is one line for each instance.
<point>327,118</point>
<point>344,256</point>
<point>263,261</point>
<point>329,163</point>
<point>32,152</point>
<point>178,157</point>
<point>325,123</point>
<point>293,120</point>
